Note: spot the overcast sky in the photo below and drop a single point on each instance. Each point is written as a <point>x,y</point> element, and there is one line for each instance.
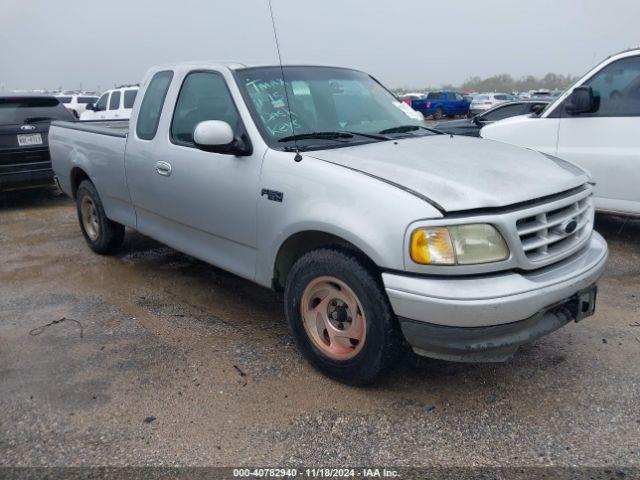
<point>52,43</point>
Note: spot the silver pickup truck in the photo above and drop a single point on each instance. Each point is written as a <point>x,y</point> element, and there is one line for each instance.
<point>318,182</point>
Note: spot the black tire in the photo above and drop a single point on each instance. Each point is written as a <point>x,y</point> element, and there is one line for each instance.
<point>383,341</point>
<point>110,234</point>
<point>438,114</point>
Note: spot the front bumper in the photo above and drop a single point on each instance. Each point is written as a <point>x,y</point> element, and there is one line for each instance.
<point>487,317</point>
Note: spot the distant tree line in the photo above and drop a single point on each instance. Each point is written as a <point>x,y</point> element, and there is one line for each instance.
<point>506,83</point>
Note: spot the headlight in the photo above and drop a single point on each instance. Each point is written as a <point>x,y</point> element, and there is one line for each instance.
<point>458,245</point>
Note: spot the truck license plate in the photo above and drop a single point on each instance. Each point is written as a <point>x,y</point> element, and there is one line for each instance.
<point>586,304</point>
<point>29,139</point>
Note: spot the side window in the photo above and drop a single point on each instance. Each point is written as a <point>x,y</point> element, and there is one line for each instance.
<point>616,89</point>
<point>129,98</point>
<point>101,106</point>
<point>435,96</point>
<point>203,96</point>
<point>114,103</point>
<point>504,112</point>
<point>151,108</point>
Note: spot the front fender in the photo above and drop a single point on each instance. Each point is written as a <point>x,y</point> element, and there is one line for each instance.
<point>320,196</point>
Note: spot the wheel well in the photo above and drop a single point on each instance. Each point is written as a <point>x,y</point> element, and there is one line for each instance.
<point>77,175</point>
<point>301,243</point>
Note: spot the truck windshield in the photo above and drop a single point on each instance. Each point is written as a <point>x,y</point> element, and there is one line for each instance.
<point>324,102</point>
<point>15,110</point>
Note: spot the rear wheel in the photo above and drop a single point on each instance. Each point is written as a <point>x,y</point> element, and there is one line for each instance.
<point>101,234</point>
<point>438,114</point>
<point>340,316</point>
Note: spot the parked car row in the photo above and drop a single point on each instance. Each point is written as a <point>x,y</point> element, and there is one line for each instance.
<point>115,104</point>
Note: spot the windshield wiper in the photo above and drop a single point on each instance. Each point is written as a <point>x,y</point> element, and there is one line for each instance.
<point>313,135</point>
<point>407,129</point>
<point>36,119</point>
<point>332,136</point>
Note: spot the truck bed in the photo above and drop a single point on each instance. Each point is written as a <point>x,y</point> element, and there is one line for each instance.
<point>94,149</point>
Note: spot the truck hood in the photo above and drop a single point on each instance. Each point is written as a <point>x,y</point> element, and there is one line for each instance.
<point>460,173</point>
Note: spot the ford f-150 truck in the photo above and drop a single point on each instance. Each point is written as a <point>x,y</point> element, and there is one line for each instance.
<point>315,181</point>
<point>439,104</point>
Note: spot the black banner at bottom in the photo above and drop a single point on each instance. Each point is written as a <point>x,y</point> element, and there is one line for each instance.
<point>399,473</point>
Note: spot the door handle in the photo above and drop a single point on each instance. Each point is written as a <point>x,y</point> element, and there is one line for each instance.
<point>163,168</point>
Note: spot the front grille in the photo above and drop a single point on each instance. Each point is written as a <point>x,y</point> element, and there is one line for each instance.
<point>557,231</point>
<point>24,161</point>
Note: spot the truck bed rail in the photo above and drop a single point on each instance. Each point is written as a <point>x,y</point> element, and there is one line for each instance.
<point>113,128</point>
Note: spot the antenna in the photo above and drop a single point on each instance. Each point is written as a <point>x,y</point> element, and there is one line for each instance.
<point>298,157</point>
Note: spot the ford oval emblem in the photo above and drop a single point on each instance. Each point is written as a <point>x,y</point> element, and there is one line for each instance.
<point>569,226</point>
<point>27,127</point>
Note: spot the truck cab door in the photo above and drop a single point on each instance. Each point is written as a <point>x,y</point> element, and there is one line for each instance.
<point>606,141</point>
<point>199,202</point>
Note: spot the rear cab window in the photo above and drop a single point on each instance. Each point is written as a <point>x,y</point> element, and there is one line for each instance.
<point>152,103</point>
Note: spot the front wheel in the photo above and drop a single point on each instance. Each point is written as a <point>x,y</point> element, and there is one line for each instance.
<point>103,236</point>
<point>340,316</point>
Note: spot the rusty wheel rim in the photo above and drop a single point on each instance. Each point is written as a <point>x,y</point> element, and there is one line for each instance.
<point>89,215</point>
<point>333,318</point>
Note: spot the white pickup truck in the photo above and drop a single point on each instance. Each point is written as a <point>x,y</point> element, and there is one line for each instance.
<point>594,124</point>
<point>319,182</point>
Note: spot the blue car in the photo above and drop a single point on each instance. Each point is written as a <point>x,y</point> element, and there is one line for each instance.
<point>439,104</point>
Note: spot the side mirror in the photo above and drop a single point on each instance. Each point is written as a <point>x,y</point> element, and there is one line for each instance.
<point>217,136</point>
<point>478,121</point>
<point>581,101</point>
<point>537,109</point>
<point>90,106</point>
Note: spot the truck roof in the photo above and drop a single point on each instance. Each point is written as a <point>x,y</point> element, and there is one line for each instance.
<point>235,65</point>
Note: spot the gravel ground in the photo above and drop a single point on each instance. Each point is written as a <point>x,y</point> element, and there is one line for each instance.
<point>164,360</point>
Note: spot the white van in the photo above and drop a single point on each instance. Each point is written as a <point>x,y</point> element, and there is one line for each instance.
<point>114,104</point>
<point>594,124</point>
